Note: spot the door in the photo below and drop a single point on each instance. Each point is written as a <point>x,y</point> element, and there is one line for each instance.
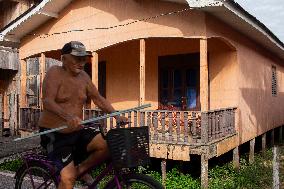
<point>179,81</point>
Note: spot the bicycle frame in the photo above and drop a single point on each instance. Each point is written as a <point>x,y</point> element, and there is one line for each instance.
<point>33,157</point>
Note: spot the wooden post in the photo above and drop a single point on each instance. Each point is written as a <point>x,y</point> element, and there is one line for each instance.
<point>142,72</point>
<point>95,72</point>
<point>42,75</point>
<point>236,158</point>
<point>263,143</point>
<point>204,171</point>
<point>204,127</point>
<point>272,138</point>
<point>23,99</point>
<point>5,111</point>
<point>164,172</point>
<point>275,165</point>
<point>204,87</point>
<point>251,151</point>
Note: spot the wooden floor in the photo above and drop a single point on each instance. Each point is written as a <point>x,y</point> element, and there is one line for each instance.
<point>181,151</point>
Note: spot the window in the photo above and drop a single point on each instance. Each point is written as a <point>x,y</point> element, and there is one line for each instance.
<point>178,81</point>
<point>274,81</point>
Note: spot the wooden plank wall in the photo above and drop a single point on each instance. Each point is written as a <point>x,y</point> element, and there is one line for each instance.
<point>9,60</point>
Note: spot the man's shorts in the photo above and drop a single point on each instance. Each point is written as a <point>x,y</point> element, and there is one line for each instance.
<point>65,148</point>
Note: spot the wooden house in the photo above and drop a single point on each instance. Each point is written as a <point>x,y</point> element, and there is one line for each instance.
<point>212,72</point>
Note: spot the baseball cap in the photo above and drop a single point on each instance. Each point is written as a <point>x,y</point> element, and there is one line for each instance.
<point>75,48</point>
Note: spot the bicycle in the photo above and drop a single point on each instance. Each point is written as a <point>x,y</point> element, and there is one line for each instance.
<point>38,172</point>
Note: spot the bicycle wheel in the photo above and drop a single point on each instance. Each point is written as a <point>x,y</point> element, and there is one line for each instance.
<point>35,177</point>
<point>138,181</point>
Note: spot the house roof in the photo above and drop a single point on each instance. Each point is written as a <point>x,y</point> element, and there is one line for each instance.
<point>227,11</point>
<point>30,20</point>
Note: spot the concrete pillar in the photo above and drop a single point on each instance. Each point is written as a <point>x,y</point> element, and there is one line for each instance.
<point>164,172</point>
<point>236,158</point>
<point>251,151</point>
<point>263,143</point>
<point>204,171</point>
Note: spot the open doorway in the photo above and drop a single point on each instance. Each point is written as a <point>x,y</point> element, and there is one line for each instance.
<point>179,82</point>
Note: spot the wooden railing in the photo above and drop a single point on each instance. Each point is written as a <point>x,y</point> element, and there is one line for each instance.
<point>171,127</point>
<point>217,124</point>
<point>179,127</point>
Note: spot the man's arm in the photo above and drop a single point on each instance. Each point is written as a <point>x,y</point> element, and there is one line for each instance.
<point>50,86</point>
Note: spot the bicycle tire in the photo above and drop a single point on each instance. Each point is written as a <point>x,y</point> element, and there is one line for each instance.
<point>22,176</point>
<point>133,178</point>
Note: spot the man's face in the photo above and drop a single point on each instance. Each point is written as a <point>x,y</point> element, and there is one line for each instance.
<point>75,64</point>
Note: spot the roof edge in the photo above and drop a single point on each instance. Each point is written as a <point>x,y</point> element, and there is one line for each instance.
<point>30,12</point>
<point>253,21</point>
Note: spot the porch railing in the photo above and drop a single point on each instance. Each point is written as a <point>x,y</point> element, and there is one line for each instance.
<point>171,127</point>
<point>179,127</point>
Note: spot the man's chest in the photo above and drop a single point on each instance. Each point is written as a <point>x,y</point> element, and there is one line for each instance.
<point>72,89</point>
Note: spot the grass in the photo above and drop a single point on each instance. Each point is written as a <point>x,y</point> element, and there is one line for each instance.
<point>250,176</point>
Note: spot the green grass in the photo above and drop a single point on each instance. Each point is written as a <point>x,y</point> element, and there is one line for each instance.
<point>250,176</point>
<point>11,165</point>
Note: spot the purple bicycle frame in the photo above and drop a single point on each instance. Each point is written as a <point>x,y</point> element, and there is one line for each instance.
<point>48,163</point>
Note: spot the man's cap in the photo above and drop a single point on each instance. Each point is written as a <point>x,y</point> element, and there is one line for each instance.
<point>75,48</point>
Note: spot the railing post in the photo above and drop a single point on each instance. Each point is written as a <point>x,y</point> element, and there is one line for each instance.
<point>155,124</point>
<point>163,126</point>
<point>170,126</point>
<point>135,118</point>
<point>142,118</point>
<point>129,118</point>
<point>204,127</point>
<point>185,117</point>
<point>234,119</point>
<point>178,126</point>
<point>193,125</point>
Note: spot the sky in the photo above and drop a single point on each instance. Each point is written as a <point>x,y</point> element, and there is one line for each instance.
<point>269,12</point>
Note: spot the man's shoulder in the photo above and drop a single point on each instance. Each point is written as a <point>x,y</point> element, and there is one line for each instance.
<point>55,69</point>
<point>85,75</point>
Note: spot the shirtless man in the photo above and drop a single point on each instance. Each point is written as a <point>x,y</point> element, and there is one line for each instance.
<point>65,90</point>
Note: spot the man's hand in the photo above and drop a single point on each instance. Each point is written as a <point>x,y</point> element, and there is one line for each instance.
<point>74,123</point>
<point>121,119</point>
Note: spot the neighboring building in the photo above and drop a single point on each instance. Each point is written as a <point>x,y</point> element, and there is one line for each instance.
<point>215,68</point>
<point>9,66</point>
